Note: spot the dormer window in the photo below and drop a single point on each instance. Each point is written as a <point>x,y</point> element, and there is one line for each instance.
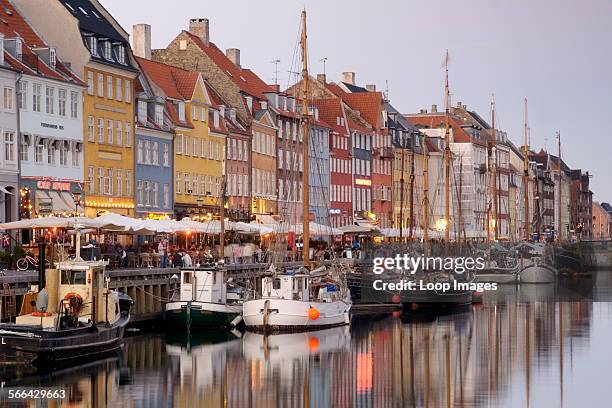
<point>249,102</point>
<point>159,115</point>
<point>181,110</point>
<point>120,51</point>
<point>108,50</point>
<point>216,119</point>
<point>93,46</point>
<point>52,58</point>
<point>264,105</point>
<point>142,111</point>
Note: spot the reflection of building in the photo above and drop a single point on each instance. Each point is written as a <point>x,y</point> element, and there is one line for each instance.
<point>51,120</point>
<point>96,47</point>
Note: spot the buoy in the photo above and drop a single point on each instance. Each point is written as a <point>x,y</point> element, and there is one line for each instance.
<point>313,343</point>
<point>313,314</point>
<point>396,299</point>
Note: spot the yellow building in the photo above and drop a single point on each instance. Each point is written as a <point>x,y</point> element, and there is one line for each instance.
<point>96,47</point>
<point>198,154</point>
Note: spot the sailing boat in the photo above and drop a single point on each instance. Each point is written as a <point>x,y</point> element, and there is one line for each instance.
<point>300,299</point>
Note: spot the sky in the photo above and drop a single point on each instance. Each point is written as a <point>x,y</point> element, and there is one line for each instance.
<point>555,53</point>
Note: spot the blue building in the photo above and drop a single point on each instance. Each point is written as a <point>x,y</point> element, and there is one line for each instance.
<point>154,152</point>
<point>318,166</point>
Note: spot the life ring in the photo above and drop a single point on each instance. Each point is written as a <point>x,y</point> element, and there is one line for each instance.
<point>41,314</point>
<point>75,302</point>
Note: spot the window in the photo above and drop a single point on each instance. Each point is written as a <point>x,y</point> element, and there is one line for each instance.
<point>109,181</point>
<point>24,149</point>
<point>74,104</point>
<point>203,149</point>
<point>119,174</point>
<point>181,110</point>
<point>194,147</point>
<point>22,96</point>
<point>61,95</point>
<point>119,89</point>
<point>203,190</point>
<point>119,133</point>
<point>108,50</point>
<point>93,46</point>
<point>128,183</point>
<point>109,87</point>
<point>8,98</point>
<point>75,154</point>
<point>210,150</point>
<point>128,134</point>
<point>90,179</point>
<point>100,130</point>
<point>194,113</point>
<point>166,196</point>
<point>63,154</point>
<point>36,97</point>
<point>147,155</point>
<point>139,193</point>
<point>179,144</point>
<point>100,85</point>
<point>155,193</point>
<point>178,183</point>
<point>217,155</point>
<point>187,184</point>
<point>38,152</point>
<point>186,145</point>
<point>166,155</point>
<point>51,154</point>
<point>128,91</point>
<point>203,115</point>
<point>142,111</point>
<point>194,184</point>
<point>159,115</point>
<point>147,188</point>
<point>9,145</point>
<point>90,83</point>
<point>139,152</point>
<point>120,54</point>
<point>155,157</point>
<point>109,131</point>
<point>100,180</point>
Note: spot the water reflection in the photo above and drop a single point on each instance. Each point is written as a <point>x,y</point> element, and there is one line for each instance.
<point>510,351</point>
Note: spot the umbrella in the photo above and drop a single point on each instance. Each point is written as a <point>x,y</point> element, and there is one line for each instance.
<point>315,229</point>
<point>49,222</point>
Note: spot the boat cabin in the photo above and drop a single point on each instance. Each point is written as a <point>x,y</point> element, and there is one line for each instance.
<point>203,285</point>
<point>291,287</point>
<point>75,293</point>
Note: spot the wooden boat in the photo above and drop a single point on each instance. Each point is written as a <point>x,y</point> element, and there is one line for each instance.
<point>76,317</point>
<point>537,272</point>
<point>204,301</point>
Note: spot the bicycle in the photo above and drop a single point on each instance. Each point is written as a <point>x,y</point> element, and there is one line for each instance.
<point>24,263</point>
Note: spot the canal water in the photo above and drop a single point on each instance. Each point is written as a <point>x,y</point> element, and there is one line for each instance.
<point>528,346</point>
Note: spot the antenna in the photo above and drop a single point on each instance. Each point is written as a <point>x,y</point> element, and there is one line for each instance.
<point>275,62</point>
<point>386,95</point>
<point>323,60</point>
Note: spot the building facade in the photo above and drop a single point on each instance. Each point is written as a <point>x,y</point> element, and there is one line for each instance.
<point>602,222</point>
<point>88,38</point>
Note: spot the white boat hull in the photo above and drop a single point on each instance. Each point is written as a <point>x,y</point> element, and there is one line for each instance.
<point>537,274</point>
<point>272,314</point>
<point>203,314</point>
<point>497,277</point>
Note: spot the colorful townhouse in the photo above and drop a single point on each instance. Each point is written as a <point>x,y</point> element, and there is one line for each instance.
<point>241,93</point>
<point>318,168</point>
<point>49,101</point>
<point>198,157</point>
<point>332,112</point>
<point>581,211</point>
<point>10,208</point>
<point>88,38</point>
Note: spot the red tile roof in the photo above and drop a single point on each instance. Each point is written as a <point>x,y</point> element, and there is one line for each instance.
<point>13,25</point>
<point>175,82</point>
<point>438,121</point>
<point>329,111</point>
<point>369,105</point>
<point>245,79</point>
<point>431,146</point>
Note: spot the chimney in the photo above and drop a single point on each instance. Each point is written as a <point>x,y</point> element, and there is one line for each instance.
<point>434,108</point>
<point>141,40</point>
<point>371,88</point>
<point>348,77</point>
<point>321,78</point>
<point>234,55</point>
<point>423,111</point>
<point>199,28</point>
<point>459,105</point>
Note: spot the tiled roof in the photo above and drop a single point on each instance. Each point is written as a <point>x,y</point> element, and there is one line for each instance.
<point>13,25</point>
<point>438,121</point>
<point>175,117</point>
<point>175,82</point>
<point>245,79</point>
<point>329,111</point>
<point>369,105</point>
<point>357,127</point>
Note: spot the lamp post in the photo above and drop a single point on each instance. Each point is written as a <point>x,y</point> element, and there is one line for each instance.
<point>76,196</point>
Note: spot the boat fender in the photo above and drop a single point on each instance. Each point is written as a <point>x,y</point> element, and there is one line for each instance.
<point>236,321</point>
<point>313,314</point>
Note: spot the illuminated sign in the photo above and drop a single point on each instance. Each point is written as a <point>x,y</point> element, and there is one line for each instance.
<point>363,182</point>
<point>334,211</point>
<point>53,185</point>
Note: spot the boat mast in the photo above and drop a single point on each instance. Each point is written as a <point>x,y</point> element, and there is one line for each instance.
<point>222,209</point>
<point>494,165</point>
<point>412,186</point>
<point>560,189</point>
<point>526,174</point>
<point>447,156</point>
<point>401,227</point>
<point>425,198</point>
<point>304,125</point>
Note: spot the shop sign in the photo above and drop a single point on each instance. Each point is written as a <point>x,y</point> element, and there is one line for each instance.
<point>53,185</point>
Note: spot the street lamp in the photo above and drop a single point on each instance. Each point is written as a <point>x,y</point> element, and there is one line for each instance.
<point>76,197</point>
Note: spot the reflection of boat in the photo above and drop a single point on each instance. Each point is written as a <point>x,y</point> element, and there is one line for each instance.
<point>279,348</point>
<point>204,300</point>
<point>76,316</point>
<point>496,274</point>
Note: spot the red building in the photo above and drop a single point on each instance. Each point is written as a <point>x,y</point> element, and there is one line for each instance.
<point>331,111</point>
